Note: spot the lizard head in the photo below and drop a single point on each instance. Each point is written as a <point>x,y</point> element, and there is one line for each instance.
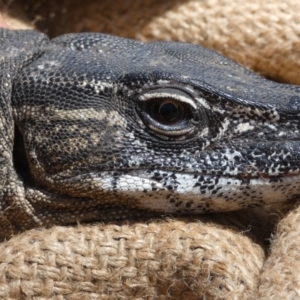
<point>161,126</point>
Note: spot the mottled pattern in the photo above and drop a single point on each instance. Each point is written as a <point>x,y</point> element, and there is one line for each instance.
<point>96,127</point>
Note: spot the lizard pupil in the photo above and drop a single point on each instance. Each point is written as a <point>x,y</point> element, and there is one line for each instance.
<point>167,112</point>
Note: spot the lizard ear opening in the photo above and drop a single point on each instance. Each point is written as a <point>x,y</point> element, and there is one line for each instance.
<point>20,160</point>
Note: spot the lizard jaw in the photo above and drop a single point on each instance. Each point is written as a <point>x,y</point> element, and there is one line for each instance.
<point>171,192</point>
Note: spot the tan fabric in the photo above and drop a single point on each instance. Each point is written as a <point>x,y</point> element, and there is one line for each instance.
<point>263,35</point>
<point>169,260</point>
<point>13,16</point>
<point>280,277</point>
<point>178,260</point>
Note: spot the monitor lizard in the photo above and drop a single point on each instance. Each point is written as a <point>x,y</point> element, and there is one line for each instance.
<point>98,127</point>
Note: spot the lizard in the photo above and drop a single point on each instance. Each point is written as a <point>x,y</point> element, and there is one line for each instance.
<point>96,127</point>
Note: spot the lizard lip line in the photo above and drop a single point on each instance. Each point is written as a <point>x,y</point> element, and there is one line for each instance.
<point>158,174</point>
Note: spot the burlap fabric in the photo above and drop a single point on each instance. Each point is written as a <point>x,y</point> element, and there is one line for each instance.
<point>168,260</point>
<point>217,257</point>
<point>280,276</point>
<point>263,35</point>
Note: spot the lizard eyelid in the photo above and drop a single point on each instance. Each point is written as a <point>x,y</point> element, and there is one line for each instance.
<point>167,111</point>
<point>168,93</point>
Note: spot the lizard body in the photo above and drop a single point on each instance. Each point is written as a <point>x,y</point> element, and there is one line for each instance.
<point>97,127</point>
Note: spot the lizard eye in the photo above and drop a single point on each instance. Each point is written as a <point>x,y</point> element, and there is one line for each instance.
<point>167,111</point>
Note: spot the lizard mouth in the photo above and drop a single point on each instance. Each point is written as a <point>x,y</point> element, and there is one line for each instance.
<point>172,191</point>
<point>184,192</point>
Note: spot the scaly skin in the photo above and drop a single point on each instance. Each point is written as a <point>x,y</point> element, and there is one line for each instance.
<point>96,127</point>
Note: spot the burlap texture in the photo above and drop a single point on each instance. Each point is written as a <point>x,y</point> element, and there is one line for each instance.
<point>280,277</point>
<point>263,35</point>
<point>167,259</point>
